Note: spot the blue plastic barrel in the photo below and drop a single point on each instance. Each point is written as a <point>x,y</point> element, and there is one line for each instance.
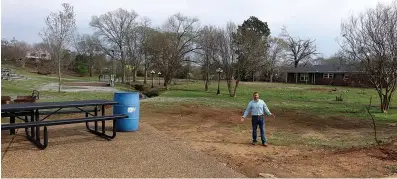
<point>129,105</point>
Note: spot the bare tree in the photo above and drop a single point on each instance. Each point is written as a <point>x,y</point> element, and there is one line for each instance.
<point>370,39</point>
<point>100,62</point>
<point>20,50</point>
<point>132,53</point>
<point>112,28</point>
<point>145,33</point>
<point>337,59</point>
<point>179,35</point>
<point>159,49</point>
<point>86,45</point>
<point>276,53</point>
<point>15,50</point>
<point>6,53</point>
<point>227,54</point>
<point>299,49</point>
<point>58,34</point>
<point>208,52</point>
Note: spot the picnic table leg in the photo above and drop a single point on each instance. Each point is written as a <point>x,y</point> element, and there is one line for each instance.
<point>35,132</point>
<point>86,123</point>
<point>37,118</point>
<point>32,132</point>
<point>31,115</point>
<point>103,122</point>
<point>96,122</point>
<point>95,130</point>
<point>12,121</point>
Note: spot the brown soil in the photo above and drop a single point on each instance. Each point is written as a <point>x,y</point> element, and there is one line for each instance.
<point>220,133</point>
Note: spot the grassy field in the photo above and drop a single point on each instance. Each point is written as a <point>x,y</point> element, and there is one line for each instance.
<point>317,100</point>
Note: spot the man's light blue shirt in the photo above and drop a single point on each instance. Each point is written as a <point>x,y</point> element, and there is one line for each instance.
<point>257,108</point>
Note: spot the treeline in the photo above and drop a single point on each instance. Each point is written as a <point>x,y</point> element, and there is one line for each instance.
<point>244,52</point>
<point>126,44</point>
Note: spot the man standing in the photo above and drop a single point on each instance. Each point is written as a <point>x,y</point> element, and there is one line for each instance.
<point>258,108</point>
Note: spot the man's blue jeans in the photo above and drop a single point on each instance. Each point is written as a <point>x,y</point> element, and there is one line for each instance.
<point>258,121</point>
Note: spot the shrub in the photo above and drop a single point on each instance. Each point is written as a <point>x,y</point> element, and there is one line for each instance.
<point>141,87</point>
<point>151,93</point>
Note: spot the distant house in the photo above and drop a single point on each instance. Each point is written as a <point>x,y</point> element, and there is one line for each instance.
<point>325,75</point>
<point>39,54</point>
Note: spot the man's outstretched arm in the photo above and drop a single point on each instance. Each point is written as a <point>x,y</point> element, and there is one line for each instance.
<point>247,110</point>
<point>267,111</point>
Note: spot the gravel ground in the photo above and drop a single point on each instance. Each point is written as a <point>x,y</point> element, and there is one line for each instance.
<point>73,152</point>
<point>54,87</point>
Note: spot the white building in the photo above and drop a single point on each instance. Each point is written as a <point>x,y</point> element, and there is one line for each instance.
<point>38,54</point>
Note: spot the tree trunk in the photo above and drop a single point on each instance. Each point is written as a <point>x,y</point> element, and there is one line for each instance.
<point>271,77</point>
<point>207,74</point>
<point>91,63</point>
<point>90,70</point>
<point>296,64</point>
<point>145,77</point>
<point>123,79</point>
<point>23,62</point>
<point>167,80</point>
<point>134,75</point>
<point>166,83</point>
<point>385,103</point>
<point>59,74</point>
<point>235,88</point>
<point>229,82</point>
<point>206,81</point>
<point>124,76</point>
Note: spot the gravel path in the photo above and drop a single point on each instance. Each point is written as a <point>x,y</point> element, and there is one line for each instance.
<point>54,87</point>
<point>75,153</point>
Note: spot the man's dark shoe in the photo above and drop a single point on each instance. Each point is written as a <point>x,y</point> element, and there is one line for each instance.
<point>253,143</point>
<point>265,145</point>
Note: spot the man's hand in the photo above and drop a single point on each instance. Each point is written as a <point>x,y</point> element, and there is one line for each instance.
<point>242,119</point>
<point>274,117</point>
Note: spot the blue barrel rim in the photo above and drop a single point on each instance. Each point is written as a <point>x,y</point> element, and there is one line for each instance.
<point>126,92</point>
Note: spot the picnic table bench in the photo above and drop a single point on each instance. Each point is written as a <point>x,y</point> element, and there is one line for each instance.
<point>32,122</point>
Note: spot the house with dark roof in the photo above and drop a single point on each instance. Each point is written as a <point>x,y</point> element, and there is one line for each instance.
<point>325,75</point>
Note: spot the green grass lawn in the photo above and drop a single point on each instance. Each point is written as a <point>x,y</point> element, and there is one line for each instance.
<point>290,96</point>
<point>277,95</point>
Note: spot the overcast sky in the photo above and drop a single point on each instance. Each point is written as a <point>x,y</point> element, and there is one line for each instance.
<point>316,19</point>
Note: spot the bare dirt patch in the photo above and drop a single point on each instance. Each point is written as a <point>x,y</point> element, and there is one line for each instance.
<point>301,145</point>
